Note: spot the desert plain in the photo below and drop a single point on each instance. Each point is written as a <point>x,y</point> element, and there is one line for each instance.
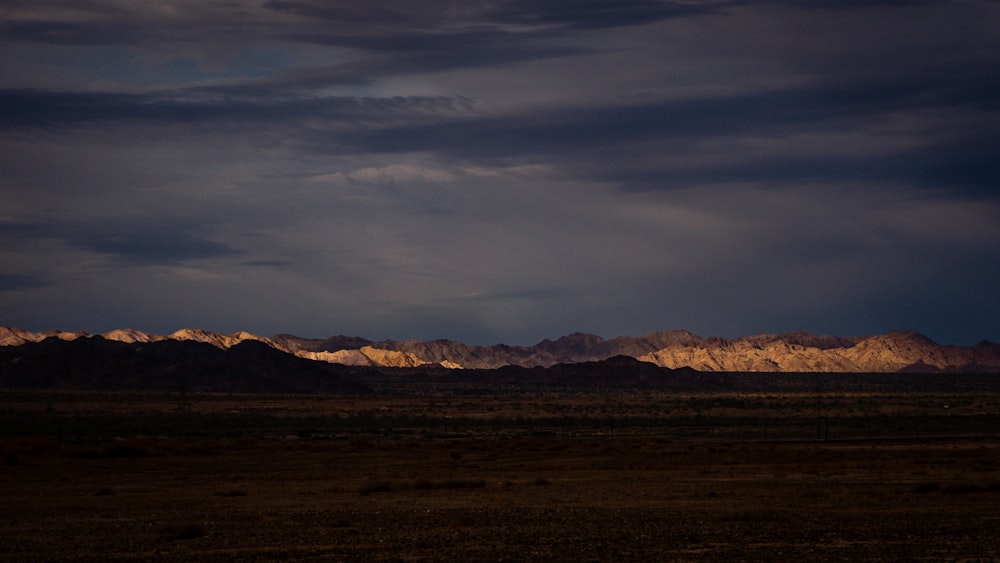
<point>439,471</point>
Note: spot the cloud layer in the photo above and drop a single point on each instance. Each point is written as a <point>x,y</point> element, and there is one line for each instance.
<point>507,171</point>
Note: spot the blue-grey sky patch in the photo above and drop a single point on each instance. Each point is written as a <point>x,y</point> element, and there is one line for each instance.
<point>14,282</point>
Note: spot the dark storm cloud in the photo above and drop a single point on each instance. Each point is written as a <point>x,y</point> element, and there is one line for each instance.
<point>108,22</point>
<point>575,134</point>
<point>34,108</point>
<point>972,166</point>
<point>398,37</point>
<point>268,263</point>
<point>379,15</point>
<point>14,282</point>
<point>38,22</point>
<point>587,14</point>
<point>156,242</point>
<point>536,294</point>
<point>433,36</point>
<point>410,38</point>
<point>855,4</point>
<point>566,130</point>
<point>57,110</point>
<point>580,14</point>
<point>157,246</point>
<point>69,33</point>
<point>427,35</point>
<point>410,53</point>
<point>447,125</point>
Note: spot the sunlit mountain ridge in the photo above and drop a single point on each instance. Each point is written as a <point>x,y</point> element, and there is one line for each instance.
<point>788,352</point>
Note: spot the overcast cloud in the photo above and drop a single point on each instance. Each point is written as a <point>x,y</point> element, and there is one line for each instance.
<point>501,172</point>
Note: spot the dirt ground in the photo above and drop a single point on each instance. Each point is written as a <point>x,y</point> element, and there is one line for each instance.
<point>500,492</point>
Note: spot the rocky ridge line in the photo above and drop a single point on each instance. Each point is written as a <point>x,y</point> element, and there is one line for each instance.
<point>897,351</point>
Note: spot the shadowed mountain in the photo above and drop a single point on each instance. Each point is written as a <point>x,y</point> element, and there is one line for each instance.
<point>614,371</point>
<point>96,363</point>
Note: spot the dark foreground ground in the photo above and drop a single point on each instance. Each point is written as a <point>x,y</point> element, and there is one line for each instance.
<point>458,475</point>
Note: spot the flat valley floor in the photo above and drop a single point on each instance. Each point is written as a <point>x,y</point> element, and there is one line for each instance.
<point>516,476</point>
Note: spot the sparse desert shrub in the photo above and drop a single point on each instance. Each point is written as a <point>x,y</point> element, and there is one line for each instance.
<point>13,450</point>
<point>961,488</point>
<point>360,444</point>
<point>422,485</point>
<point>462,484</point>
<point>966,488</point>
<point>924,488</point>
<point>125,450</point>
<point>203,447</point>
<point>244,441</point>
<point>376,487</point>
<point>182,531</point>
<point>116,450</point>
<point>753,515</point>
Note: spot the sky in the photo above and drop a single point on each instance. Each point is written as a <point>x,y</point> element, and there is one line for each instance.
<point>501,171</point>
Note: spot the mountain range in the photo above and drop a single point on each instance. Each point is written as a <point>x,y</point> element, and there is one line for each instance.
<point>898,351</point>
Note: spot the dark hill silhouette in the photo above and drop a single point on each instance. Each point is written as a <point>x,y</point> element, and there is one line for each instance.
<point>618,371</point>
<point>95,363</point>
